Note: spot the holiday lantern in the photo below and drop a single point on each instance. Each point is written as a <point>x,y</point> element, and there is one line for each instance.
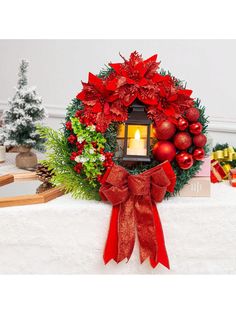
<point>137,135</point>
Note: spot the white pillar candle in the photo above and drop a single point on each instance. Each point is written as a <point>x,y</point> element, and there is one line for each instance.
<point>137,146</point>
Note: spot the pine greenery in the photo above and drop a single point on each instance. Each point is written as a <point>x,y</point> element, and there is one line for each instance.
<point>24,113</point>
<point>58,161</point>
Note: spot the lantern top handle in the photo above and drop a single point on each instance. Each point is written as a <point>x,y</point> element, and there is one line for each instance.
<point>137,105</point>
<point>138,114</point>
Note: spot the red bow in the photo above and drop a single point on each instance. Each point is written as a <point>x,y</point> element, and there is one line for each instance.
<point>133,198</point>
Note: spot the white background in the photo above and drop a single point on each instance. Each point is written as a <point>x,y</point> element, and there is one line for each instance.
<point>123,19</point>
<point>58,66</point>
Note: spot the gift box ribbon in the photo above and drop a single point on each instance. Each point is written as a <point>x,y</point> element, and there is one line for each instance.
<point>227,154</point>
<point>134,210</point>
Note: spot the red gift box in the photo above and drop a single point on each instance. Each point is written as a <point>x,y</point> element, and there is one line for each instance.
<point>232,177</point>
<point>217,172</point>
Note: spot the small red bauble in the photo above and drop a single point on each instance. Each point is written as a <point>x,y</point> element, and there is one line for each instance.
<point>195,128</point>
<point>164,150</point>
<point>192,114</point>
<point>184,160</point>
<point>198,154</point>
<point>200,140</point>
<point>72,139</point>
<point>182,140</point>
<point>182,124</point>
<point>164,130</point>
<point>69,125</point>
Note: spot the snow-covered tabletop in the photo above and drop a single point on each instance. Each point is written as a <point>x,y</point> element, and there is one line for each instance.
<point>68,236</point>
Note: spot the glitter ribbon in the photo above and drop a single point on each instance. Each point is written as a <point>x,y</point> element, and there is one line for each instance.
<point>134,210</point>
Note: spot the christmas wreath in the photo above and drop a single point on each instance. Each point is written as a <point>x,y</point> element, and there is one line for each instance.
<point>84,159</point>
<point>82,152</point>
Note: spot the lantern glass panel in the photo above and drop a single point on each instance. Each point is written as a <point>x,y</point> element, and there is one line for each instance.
<point>137,140</point>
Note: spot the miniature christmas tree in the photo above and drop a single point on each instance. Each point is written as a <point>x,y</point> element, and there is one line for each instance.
<point>24,113</point>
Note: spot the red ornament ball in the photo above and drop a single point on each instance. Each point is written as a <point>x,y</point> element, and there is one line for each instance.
<point>195,128</point>
<point>199,154</point>
<point>164,150</point>
<point>184,160</point>
<point>200,140</point>
<point>164,130</point>
<point>182,140</point>
<point>192,114</point>
<point>182,124</point>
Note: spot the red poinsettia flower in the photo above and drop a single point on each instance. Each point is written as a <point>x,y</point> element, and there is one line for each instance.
<point>134,79</point>
<point>153,113</point>
<point>96,98</point>
<point>106,99</point>
<point>172,101</point>
<point>119,112</point>
<point>95,94</point>
<point>136,70</point>
<point>184,101</point>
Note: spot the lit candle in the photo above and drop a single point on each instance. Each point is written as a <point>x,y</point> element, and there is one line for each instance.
<point>137,146</point>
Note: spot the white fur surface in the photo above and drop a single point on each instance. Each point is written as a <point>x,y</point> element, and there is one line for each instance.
<point>67,236</point>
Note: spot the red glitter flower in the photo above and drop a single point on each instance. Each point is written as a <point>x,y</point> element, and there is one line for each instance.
<point>134,79</point>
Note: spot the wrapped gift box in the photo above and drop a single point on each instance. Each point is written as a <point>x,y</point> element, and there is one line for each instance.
<point>218,173</point>
<point>197,187</point>
<point>232,177</point>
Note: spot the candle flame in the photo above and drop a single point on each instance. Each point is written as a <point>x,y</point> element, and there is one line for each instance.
<point>137,135</point>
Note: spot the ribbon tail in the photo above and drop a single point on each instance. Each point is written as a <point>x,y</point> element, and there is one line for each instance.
<point>111,247</point>
<point>146,228</point>
<point>126,230</point>
<point>162,256</point>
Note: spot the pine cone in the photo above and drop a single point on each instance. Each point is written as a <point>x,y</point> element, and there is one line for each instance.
<point>43,187</point>
<point>43,173</point>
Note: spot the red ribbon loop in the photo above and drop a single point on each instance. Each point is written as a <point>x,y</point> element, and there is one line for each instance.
<point>139,184</point>
<point>133,198</point>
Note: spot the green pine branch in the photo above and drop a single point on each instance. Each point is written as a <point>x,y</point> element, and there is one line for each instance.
<point>58,160</point>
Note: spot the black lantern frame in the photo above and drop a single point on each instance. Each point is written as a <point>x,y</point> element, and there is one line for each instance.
<point>138,116</point>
